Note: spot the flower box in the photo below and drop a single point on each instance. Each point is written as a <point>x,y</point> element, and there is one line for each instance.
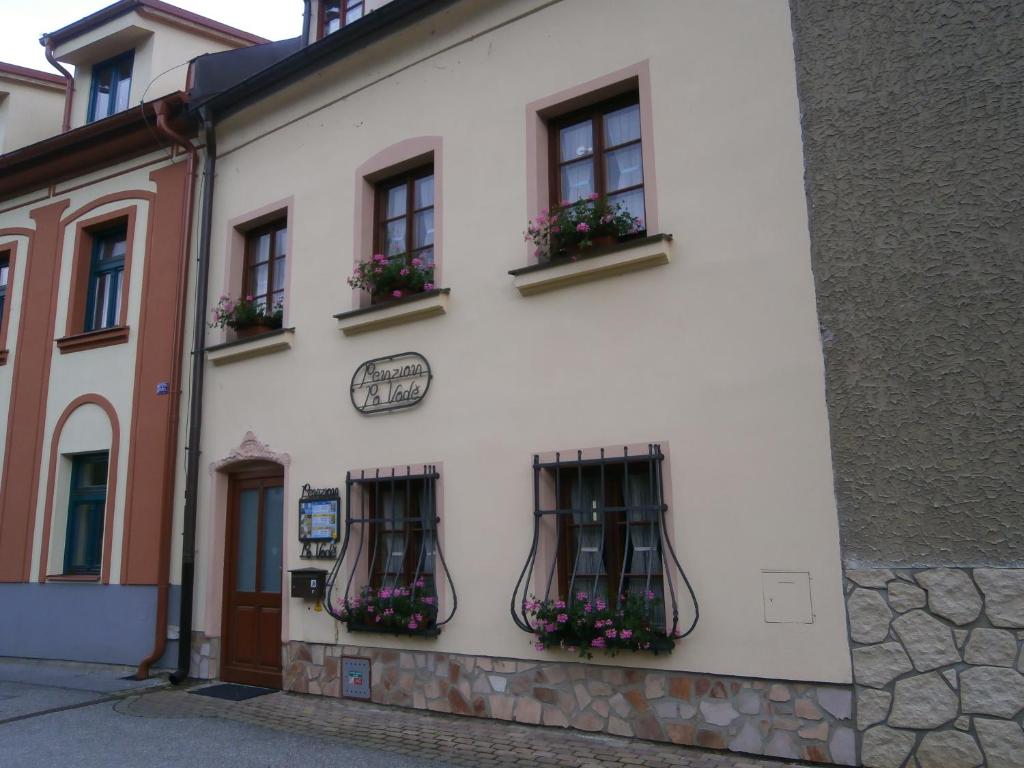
<point>575,230</point>
<point>584,626</point>
<point>396,610</point>
<point>247,316</point>
<point>389,279</point>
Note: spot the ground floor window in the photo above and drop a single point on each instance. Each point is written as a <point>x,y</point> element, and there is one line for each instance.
<point>392,554</point>
<point>87,503</point>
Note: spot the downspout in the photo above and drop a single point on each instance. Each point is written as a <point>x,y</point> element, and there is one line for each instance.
<point>195,413</point>
<point>167,517</point>
<point>69,80</point>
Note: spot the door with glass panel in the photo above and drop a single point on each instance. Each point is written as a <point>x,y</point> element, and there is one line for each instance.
<point>251,644</point>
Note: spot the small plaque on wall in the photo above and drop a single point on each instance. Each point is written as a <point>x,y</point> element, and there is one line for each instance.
<point>319,516</point>
<point>355,678</point>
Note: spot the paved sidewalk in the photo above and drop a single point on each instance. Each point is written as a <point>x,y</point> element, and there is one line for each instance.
<point>448,739</point>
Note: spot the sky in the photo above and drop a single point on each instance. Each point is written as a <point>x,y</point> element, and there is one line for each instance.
<point>22,22</point>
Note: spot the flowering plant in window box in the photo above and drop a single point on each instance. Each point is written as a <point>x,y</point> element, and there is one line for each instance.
<point>246,316</point>
<point>584,625</point>
<point>396,610</point>
<point>573,228</point>
<point>394,278</point>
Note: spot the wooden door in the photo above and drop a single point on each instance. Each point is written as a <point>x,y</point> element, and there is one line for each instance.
<point>252,580</point>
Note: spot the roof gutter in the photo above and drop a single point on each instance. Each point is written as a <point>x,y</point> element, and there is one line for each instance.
<point>69,80</point>
<point>195,411</point>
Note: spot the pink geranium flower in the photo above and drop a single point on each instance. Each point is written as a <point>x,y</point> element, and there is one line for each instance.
<point>397,294</point>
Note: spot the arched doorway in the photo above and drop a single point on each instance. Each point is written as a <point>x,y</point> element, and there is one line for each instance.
<point>253,562</point>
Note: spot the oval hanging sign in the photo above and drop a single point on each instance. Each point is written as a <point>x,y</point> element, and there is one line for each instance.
<point>390,383</point>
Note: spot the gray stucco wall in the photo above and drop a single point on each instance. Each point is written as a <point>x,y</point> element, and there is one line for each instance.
<point>83,622</point>
<point>913,120</point>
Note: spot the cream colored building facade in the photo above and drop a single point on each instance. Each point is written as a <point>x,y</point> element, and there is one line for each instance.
<point>701,338</point>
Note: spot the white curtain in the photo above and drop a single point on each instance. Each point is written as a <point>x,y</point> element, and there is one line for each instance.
<point>589,554</point>
<point>644,530</point>
<point>393,540</point>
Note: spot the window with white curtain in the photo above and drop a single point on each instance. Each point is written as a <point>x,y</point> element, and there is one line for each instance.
<point>598,150</point>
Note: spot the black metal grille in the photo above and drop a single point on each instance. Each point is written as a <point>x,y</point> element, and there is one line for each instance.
<point>608,520</point>
<point>391,539</point>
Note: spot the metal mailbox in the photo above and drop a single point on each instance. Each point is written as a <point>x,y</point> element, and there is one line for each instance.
<point>309,583</point>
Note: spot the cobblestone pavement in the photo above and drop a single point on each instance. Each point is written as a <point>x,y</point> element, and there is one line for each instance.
<point>448,739</point>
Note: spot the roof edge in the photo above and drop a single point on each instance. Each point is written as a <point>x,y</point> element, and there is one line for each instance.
<point>375,26</point>
<point>32,74</point>
<point>122,7</point>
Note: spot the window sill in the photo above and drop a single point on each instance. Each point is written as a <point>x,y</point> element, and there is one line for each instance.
<point>617,259</point>
<point>85,578</point>
<point>406,310</point>
<point>396,631</point>
<point>93,339</point>
<point>254,346</point>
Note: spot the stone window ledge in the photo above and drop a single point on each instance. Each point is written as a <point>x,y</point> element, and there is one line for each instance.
<point>616,259</point>
<point>406,310</point>
<point>254,346</point>
<point>82,578</point>
<point>104,337</point>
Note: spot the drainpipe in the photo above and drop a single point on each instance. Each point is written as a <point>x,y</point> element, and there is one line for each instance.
<point>307,20</point>
<point>166,518</point>
<point>69,80</point>
<point>195,413</point>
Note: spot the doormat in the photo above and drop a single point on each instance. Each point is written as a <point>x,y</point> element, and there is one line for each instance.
<point>233,692</point>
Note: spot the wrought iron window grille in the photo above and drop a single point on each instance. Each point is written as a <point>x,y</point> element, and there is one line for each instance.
<point>585,514</point>
<point>391,545</point>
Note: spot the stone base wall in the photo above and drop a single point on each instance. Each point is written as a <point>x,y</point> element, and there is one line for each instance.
<point>937,661</point>
<point>762,717</point>
<point>205,661</point>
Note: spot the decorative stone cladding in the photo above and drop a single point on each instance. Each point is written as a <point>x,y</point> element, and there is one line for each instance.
<point>937,661</point>
<point>205,662</point>
<point>763,717</point>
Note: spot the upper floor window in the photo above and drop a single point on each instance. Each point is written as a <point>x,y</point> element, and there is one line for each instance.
<point>106,278</point>
<point>5,271</point>
<point>336,14</point>
<point>405,216</point>
<point>88,500</point>
<point>111,84</point>
<point>597,151</point>
<point>265,254</point>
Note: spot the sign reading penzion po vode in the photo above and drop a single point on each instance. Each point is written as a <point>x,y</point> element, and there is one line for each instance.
<point>390,383</point>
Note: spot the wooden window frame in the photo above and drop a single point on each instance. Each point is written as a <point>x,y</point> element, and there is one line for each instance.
<point>248,265</point>
<point>95,498</point>
<point>409,178</point>
<point>76,338</point>
<point>377,531</point>
<point>595,113</point>
<point>113,63</point>
<point>111,314</point>
<point>6,260</point>
<point>614,523</point>
<point>344,6</point>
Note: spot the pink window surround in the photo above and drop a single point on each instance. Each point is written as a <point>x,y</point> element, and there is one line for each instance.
<point>361,576</point>
<point>539,113</point>
<point>403,156</point>
<point>238,227</point>
<point>547,545</point>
